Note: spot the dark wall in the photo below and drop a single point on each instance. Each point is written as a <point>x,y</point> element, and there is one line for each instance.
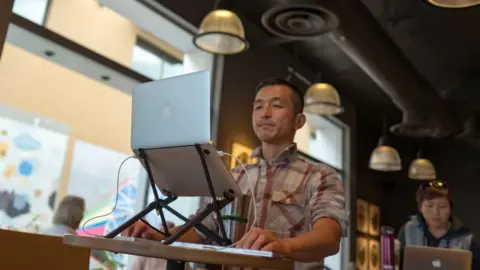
<point>241,75</point>
<point>5,14</point>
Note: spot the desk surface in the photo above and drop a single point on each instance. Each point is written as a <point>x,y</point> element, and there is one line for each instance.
<point>158,250</point>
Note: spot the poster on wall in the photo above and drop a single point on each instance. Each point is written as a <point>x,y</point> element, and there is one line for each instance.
<point>362,253</point>
<point>93,176</point>
<point>362,216</point>
<point>373,220</point>
<point>32,157</point>
<point>242,153</point>
<point>374,254</point>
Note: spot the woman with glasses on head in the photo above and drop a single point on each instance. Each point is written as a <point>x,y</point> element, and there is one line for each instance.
<point>434,225</point>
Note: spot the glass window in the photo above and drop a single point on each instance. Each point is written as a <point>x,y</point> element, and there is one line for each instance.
<point>153,63</point>
<point>321,139</point>
<point>33,10</point>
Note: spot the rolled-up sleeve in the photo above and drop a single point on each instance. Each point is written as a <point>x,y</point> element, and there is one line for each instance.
<point>327,196</point>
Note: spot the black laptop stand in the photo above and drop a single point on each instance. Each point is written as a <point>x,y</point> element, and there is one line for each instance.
<point>196,221</point>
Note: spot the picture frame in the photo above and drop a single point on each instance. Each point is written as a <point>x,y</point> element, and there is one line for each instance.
<point>362,216</point>
<point>241,152</point>
<point>362,253</point>
<point>373,254</point>
<point>373,220</point>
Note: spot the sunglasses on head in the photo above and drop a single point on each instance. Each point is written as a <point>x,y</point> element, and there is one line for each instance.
<point>435,184</point>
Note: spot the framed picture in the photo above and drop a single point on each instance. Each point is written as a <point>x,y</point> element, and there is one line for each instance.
<point>373,220</point>
<point>241,152</point>
<point>374,254</point>
<point>362,253</point>
<point>362,216</point>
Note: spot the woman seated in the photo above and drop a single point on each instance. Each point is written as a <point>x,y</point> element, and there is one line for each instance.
<point>434,225</point>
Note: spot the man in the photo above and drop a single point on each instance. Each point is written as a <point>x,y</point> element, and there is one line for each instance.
<point>68,216</point>
<point>300,205</point>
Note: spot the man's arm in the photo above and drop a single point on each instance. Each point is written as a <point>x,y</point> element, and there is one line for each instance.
<point>327,212</point>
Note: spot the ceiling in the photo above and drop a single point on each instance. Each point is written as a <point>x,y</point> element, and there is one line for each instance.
<point>423,59</point>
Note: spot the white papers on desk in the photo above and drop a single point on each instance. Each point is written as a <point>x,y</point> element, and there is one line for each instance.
<point>248,252</point>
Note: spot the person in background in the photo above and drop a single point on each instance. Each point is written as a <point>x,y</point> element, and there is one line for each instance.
<point>300,205</point>
<point>435,225</point>
<point>67,217</point>
<point>147,263</point>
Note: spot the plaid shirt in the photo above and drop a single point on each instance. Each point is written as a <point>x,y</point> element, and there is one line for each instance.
<point>291,194</point>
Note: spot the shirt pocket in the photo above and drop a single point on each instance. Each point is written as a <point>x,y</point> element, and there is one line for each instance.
<point>288,213</point>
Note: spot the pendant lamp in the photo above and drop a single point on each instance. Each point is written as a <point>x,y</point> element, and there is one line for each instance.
<point>385,158</point>
<point>421,168</point>
<point>322,99</point>
<point>221,32</point>
<point>454,3</point>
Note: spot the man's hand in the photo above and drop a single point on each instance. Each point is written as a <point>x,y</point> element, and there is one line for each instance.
<point>265,240</point>
<point>141,230</point>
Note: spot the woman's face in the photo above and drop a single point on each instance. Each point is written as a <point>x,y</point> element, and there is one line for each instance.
<point>436,212</point>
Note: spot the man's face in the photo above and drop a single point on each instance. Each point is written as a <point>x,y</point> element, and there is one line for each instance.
<point>436,211</point>
<point>273,117</point>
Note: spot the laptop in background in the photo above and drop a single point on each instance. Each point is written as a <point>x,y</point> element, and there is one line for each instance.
<point>434,258</point>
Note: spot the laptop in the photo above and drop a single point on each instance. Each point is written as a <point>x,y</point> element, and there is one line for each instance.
<point>169,117</point>
<point>434,258</point>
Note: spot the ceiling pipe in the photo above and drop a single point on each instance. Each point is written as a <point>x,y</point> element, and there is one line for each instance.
<point>362,38</point>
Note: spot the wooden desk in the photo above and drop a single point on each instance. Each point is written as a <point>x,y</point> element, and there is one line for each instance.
<point>27,251</point>
<point>157,250</point>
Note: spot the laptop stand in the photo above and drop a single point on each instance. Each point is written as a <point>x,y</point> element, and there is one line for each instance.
<point>196,221</point>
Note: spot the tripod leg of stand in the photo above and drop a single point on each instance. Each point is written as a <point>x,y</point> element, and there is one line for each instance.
<point>175,265</point>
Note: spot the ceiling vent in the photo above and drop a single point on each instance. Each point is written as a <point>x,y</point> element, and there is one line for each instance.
<point>299,22</point>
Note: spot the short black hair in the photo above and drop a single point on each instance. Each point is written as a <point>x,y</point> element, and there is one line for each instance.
<point>297,96</point>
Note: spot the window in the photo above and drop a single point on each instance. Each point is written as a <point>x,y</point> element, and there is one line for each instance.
<point>153,63</point>
<point>322,139</point>
<point>33,10</point>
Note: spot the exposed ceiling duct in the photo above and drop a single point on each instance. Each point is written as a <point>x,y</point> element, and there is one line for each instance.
<point>360,36</point>
<point>471,130</point>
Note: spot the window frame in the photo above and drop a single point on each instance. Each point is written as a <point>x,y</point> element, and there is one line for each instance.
<point>165,56</point>
<point>46,13</point>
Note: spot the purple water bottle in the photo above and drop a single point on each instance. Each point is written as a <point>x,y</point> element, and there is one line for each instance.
<point>387,245</point>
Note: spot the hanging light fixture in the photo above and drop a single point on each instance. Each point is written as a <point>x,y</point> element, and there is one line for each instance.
<point>221,32</point>
<point>454,3</point>
<point>421,168</point>
<point>384,157</point>
<point>322,99</point>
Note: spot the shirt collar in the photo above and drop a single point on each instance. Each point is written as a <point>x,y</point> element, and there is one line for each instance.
<point>286,156</point>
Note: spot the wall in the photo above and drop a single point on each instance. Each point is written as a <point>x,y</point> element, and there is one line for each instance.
<point>42,87</point>
<point>100,29</point>
<point>95,27</point>
<point>5,13</point>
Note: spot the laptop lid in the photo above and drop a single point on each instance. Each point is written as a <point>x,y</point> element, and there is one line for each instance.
<point>433,258</point>
<point>171,112</point>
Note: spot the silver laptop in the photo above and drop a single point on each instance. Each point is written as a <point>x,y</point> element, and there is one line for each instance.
<point>433,258</point>
<point>169,117</point>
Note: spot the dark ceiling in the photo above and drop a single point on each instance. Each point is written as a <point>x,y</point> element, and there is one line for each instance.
<point>423,58</point>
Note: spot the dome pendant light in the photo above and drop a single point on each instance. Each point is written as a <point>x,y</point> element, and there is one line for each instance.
<point>322,99</point>
<point>384,157</point>
<point>421,168</point>
<point>454,3</point>
<point>221,32</point>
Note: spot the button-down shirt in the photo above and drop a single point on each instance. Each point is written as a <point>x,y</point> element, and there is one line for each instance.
<point>291,194</point>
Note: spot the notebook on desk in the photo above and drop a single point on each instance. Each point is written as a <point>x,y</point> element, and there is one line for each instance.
<point>248,252</point>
